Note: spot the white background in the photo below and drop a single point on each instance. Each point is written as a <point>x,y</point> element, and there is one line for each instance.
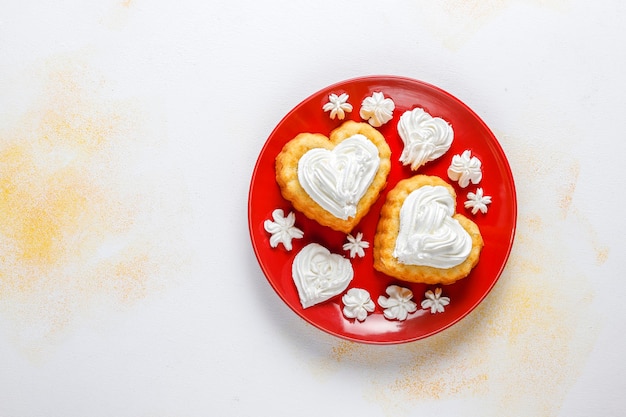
<point>194,88</point>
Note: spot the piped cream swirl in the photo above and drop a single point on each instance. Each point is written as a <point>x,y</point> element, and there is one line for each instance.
<point>465,168</point>
<point>425,138</point>
<point>429,235</point>
<point>337,179</point>
<point>377,109</point>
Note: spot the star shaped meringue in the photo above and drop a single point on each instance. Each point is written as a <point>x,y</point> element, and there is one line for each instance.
<point>338,106</point>
<point>283,229</point>
<point>434,301</point>
<point>477,201</point>
<point>356,245</point>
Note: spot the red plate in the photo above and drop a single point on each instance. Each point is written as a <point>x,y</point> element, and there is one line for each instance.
<point>497,225</point>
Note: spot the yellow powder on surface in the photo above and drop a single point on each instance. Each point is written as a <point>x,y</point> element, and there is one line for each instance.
<point>518,352</point>
<point>343,349</point>
<point>569,188</point>
<point>117,14</point>
<point>75,231</point>
<point>600,250</point>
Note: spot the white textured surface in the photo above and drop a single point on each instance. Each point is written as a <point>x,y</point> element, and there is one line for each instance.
<point>184,94</point>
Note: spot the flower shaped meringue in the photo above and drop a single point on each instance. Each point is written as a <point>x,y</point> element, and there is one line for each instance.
<point>465,168</point>
<point>338,106</point>
<point>398,305</point>
<point>282,229</point>
<point>477,201</point>
<point>357,304</point>
<point>377,109</point>
<point>356,245</point>
<point>434,301</point>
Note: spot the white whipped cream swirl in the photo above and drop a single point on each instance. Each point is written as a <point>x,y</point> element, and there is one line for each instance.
<point>319,274</point>
<point>428,235</point>
<point>425,138</point>
<point>465,168</point>
<point>337,179</point>
<point>377,109</point>
<point>357,304</point>
<point>399,304</point>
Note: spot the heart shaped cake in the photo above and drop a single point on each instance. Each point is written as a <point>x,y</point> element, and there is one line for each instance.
<point>421,238</point>
<point>334,180</point>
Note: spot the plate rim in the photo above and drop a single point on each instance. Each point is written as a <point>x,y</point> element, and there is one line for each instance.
<point>385,79</point>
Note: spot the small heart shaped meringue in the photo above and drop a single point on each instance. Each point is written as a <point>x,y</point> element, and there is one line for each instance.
<point>319,274</point>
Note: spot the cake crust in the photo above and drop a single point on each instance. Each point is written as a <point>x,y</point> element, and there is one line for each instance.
<point>388,229</point>
<point>291,189</point>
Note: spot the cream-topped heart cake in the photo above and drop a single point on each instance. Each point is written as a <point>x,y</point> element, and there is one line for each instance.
<point>334,180</point>
<point>421,238</point>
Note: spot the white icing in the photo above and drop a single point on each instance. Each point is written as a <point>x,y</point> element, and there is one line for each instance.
<point>428,235</point>
<point>338,106</point>
<point>356,245</point>
<point>398,305</point>
<point>357,304</point>
<point>465,168</point>
<point>477,201</point>
<point>425,138</point>
<point>282,229</point>
<point>377,109</point>
<point>337,179</point>
<point>319,274</point>
<point>434,301</point>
